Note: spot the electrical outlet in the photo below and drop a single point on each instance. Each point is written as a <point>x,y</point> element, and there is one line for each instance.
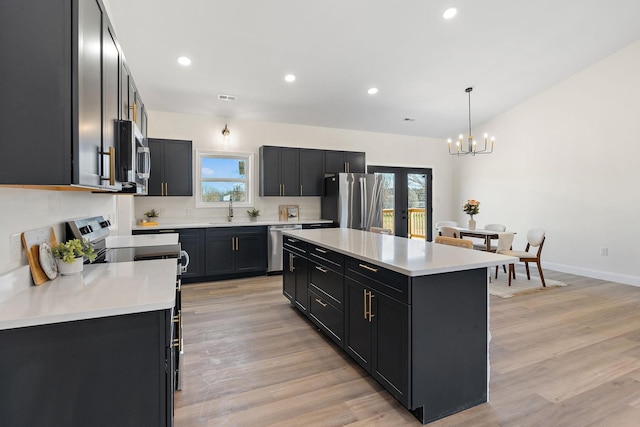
<point>189,211</point>
<point>604,251</point>
<point>15,248</point>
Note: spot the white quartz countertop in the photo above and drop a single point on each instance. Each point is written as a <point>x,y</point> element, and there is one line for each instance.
<point>101,290</point>
<point>164,224</point>
<point>407,256</point>
<point>141,240</point>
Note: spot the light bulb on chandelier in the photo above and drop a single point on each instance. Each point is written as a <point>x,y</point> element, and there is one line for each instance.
<point>471,146</point>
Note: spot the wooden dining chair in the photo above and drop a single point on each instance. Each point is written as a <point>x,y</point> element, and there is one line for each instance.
<point>452,241</point>
<point>449,232</point>
<point>535,238</point>
<point>441,224</point>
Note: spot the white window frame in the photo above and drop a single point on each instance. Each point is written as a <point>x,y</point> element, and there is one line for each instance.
<point>248,172</point>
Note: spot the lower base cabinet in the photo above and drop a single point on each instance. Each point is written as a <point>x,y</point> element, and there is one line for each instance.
<point>294,277</point>
<point>235,251</point>
<point>111,371</point>
<point>377,337</point>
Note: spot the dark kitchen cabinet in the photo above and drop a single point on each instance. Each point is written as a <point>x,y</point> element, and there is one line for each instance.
<point>171,168</point>
<point>235,251</point>
<point>279,171</point>
<point>311,172</point>
<point>344,161</point>
<point>295,272</point>
<point>109,371</point>
<point>132,107</point>
<point>377,336</point>
<point>60,96</point>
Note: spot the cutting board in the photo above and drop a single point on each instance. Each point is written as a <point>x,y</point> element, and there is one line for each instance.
<point>31,241</point>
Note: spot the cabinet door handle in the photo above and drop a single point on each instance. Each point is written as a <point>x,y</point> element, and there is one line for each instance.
<point>364,298</point>
<point>366,267</point>
<point>301,189</point>
<point>112,166</point>
<point>322,251</point>
<point>321,269</point>
<point>371,306</point>
<point>319,301</point>
<point>291,259</point>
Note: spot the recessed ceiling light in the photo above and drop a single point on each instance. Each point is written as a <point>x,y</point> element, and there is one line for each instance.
<point>372,91</point>
<point>290,78</point>
<point>183,60</point>
<point>450,13</point>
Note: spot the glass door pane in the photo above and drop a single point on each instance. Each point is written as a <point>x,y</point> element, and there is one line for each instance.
<point>416,204</point>
<point>388,200</point>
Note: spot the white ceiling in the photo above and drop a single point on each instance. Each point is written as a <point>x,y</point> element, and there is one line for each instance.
<point>508,50</point>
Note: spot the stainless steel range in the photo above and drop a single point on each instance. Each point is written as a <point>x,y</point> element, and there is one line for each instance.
<point>137,248</point>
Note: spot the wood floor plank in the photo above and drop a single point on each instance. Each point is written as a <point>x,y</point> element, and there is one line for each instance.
<point>566,357</point>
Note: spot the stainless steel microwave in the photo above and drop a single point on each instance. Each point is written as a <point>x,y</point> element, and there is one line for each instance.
<point>134,158</point>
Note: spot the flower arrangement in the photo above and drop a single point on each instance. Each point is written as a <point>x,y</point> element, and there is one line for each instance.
<point>73,249</point>
<point>472,207</point>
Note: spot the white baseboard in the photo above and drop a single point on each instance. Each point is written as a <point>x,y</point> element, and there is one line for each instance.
<point>596,274</point>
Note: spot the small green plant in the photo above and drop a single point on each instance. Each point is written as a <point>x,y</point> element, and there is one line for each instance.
<point>254,213</point>
<point>152,214</point>
<point>72,249</point>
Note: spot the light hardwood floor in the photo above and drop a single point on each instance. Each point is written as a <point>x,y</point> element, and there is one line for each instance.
<point>568,356</point>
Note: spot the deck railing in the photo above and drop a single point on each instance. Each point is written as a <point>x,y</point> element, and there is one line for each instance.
<point>417,222</point>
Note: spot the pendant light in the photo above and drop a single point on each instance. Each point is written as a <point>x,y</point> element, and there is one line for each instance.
<point>471,146</point>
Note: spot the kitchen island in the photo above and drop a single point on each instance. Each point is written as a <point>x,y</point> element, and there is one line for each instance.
<point>413,314</point>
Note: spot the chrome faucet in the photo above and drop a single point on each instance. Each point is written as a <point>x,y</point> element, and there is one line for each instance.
<point>230,215</point>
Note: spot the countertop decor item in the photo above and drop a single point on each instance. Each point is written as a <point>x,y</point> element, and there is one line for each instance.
<point>253,214</point>
<point>47,262</point>
<point>152,214</point>
<point>70,255</point>
<point>31,241</point>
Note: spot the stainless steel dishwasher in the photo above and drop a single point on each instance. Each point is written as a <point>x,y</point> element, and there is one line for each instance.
<point>275,245</point>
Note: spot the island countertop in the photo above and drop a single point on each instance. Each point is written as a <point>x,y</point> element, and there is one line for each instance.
<point>101,290</point>
<point>407,256</point>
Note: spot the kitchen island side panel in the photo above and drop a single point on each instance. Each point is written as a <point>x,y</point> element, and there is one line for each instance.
<point>449,342</point>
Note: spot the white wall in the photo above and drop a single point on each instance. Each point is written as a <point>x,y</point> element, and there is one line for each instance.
<point>248,136</point>
<point>567,161</point>
<point>24,210</point>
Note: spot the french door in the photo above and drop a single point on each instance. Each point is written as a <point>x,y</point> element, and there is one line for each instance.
<point>406,198</point>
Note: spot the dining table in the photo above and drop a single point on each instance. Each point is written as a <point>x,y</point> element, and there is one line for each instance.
<point>481,233</point>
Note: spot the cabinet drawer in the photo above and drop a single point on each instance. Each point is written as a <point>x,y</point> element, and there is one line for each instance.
<point>326,317</point>
<point>295,245</point>
<point>389,282</point>
<point>327,257</point>
<point>327,282</point>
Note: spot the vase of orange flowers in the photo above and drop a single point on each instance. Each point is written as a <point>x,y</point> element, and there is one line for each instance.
<point>471,208</point>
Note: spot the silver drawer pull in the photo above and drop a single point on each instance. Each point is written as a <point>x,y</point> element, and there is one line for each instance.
<point>291,240</point>
<point>375,270</point>
<point>319,301</point>
<point>322,251</point>
<point>321,269</point>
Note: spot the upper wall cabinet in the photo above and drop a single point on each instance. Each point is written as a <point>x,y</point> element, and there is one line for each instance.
<point>286,171</point>
<point>344,161</point>
<point>171,167</point>
<point>61,92</point>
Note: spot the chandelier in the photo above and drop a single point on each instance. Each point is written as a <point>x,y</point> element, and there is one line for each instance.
<point>471,146</point>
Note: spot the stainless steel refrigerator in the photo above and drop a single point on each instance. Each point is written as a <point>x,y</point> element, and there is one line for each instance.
<point>353,200</point>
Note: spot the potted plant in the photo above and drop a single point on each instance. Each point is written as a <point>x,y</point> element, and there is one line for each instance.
<point>253,214</point>
<point>70,255</point>
<point>151,214</point>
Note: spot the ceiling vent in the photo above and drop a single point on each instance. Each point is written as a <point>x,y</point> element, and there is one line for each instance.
<point>226,97</point>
